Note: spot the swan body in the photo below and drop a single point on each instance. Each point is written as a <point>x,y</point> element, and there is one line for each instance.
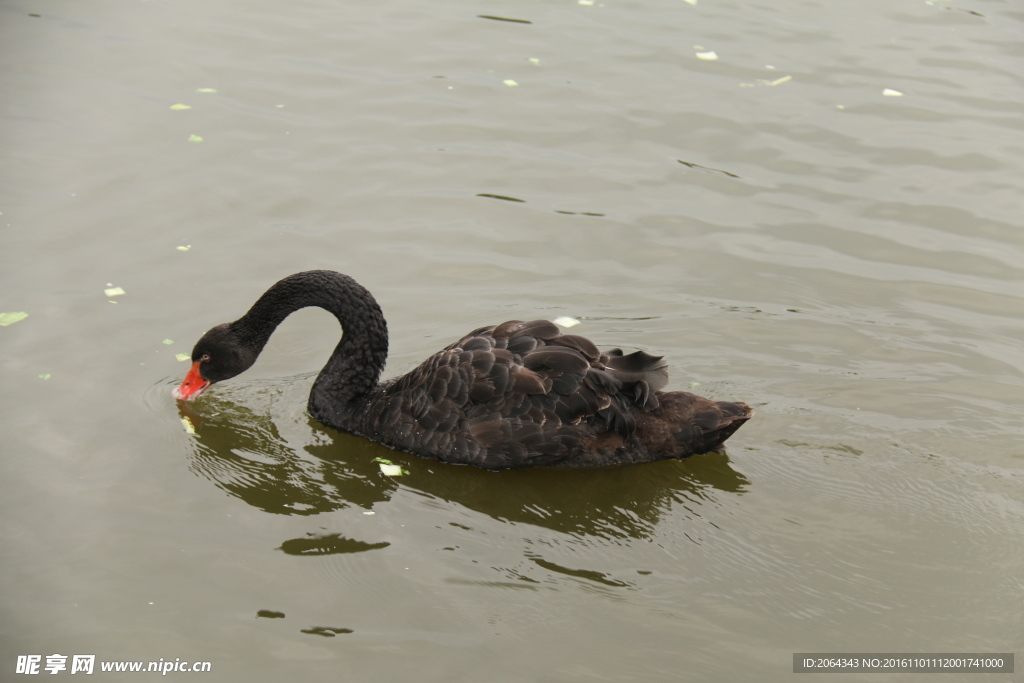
<point>512,395</point>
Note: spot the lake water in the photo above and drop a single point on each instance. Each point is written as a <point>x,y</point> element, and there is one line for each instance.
<point>823,221</point>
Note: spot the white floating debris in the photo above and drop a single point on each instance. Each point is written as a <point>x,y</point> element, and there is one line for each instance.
<point>708,56</point>
<point>765,81</point>
<point>566,321</point>
<point>586,2</point>
<point>889,92</point>
<point>389,468</point>
<point>206,90</point>
<point>195,138</point>
<point>113,291</point>
<point>369,512</point>
<point>185,248</point>
<point>189,427</point>
<point>510,83</point>
<point>533,60</point>
<point>179,106</point>
<point>182,356</point>
<point>690,2</point>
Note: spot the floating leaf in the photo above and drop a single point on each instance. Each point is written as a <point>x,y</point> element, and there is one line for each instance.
<point>586,2</point>
<point>206,90</point>
<point>179,106</point>
<point>690,2</point>
<point>694,384</point>
<point>185,248</point>
<point>764,81</point>
<point>45,376</point>
<point>566,321</point>
<point>389,468</point>
<point>182,356</point>
<point>889,92</point>
<point>168,341</point>
<point>194,138</point>
<point>11,318</point>
<point>187,423</point>
<point>510,83</point>
<point>533,60</point>
<point>708,56</point>
<point>113,291</point>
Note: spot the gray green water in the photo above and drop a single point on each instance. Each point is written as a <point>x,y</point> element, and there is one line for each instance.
<point>849,262</point>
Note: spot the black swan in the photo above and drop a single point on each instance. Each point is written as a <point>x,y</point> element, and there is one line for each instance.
<point>513,395</point>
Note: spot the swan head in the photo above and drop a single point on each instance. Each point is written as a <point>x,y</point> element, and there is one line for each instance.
<point>220,354</point>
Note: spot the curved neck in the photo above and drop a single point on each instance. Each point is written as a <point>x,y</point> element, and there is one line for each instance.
<point>354,368</point>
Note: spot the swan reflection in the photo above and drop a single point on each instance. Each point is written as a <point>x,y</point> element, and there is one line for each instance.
<point>318,470</point>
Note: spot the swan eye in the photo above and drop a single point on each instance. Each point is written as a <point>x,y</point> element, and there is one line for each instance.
<point>206,356</point>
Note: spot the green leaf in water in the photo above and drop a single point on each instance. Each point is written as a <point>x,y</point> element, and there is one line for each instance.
<point>182,356</point>
<point>195,138</point>
<point>168,341</point>
<point>207,90</point>
<point>11,318</point>
<point>389,468</point>
<point>45,376</point>
<point>179,106</point>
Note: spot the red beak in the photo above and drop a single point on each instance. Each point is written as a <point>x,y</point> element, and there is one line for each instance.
<point>192,385</point>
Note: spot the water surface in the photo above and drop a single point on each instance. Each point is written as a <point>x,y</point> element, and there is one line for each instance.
<point>847,261</point>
